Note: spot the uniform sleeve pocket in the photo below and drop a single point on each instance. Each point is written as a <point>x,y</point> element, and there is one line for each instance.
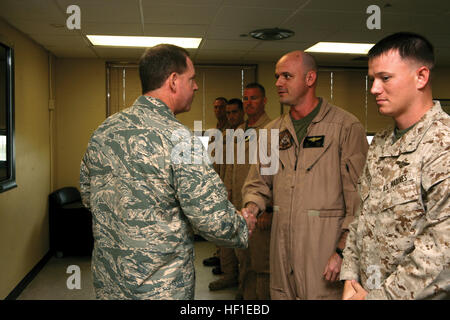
<point>354,166</point>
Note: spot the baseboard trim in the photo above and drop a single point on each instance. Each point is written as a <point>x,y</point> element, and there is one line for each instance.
<point>29,277</point>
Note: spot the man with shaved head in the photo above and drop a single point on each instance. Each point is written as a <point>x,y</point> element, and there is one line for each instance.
<point>322,151</point>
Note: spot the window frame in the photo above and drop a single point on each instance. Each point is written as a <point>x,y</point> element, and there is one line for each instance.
<point>10,181</point>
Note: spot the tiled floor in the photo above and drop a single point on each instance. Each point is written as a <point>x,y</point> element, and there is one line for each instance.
<point>51,282</point>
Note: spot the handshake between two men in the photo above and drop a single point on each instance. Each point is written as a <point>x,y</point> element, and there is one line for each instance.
<point>250,214</point>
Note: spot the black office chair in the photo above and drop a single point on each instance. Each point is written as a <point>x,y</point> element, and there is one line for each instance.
<point>70,224</point>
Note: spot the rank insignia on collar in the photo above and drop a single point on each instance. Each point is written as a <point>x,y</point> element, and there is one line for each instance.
<point>286,140</point>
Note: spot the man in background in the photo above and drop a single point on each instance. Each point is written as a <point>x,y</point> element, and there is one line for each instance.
<point>254,273</point>
<point>235,113</point>
<point>220,104</point>
<point>222,124</point>
<point>229,265</point>
<point>398,246</point>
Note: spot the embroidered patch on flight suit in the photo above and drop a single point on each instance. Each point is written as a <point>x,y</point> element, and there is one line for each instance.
<point>314,142</point>
<point>286,140</point>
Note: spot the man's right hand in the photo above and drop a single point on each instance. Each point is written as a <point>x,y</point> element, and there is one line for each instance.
<point>249,213</point>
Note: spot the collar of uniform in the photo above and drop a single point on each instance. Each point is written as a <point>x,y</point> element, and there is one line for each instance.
<point>155,104</point>
<point>410,140</point>
<point>286,122</point>
<point>324,108</point>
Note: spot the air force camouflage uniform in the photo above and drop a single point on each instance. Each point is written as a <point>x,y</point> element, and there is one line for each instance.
<point>146,208</point>
<point>398,247</point>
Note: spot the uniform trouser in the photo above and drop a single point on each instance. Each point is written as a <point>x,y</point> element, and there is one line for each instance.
<point>296,267</point>
<point>254,267</point>
<point>244,263</point>
<point>256,286</point>
<point>228,263</point>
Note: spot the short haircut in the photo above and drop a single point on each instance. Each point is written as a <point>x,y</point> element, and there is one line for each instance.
<point>309,62</point>
<point>409,45</point>
<point>256,85</point>
<point>236,101</point>
<point>224,100</point>
<point>158,63</point>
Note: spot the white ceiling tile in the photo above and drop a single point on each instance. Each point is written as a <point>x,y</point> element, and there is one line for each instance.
<point>279,4</point>
<point>416,7</point>
<point>198,3</point>
<point>60,40</point>
<point>229,45</point>
<point>230,32</point>
<point>306,22</point>
<point>37,10</point>
<point>118,29</point>
<point>218,55</point>
<point>342,6</point>
<point>175,30</point>
<point>105,11</point>
<point>42,26</point>
<point>251,17</point>
<point>178,14</point>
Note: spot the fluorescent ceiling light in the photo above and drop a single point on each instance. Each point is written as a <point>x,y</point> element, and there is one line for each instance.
<point>341,47</point>
<point>124,41</point>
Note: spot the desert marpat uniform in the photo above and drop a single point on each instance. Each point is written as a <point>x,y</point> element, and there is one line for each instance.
<point>146,208</point>
<point>254,261</point>
<point>314,199</point>
<point>399,245</point>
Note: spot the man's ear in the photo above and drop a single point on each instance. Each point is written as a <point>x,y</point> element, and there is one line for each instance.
<point>311,77</point>
<point>423,75</point>
<point>172,80</point>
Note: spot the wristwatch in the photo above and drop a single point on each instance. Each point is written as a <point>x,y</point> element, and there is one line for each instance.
<point>339,252</point>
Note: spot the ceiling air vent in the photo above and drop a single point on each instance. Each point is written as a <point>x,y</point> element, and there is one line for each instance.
<point>271,34</point>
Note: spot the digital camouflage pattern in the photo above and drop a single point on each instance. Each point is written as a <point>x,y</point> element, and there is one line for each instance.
<point>146,208</point>
<point>398,247</point>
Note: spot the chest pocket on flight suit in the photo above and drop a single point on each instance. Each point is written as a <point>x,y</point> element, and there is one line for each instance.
<point>282,180</point>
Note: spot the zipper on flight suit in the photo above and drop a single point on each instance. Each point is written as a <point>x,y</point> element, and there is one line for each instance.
<point>297,157</point>
<point>291,208</point>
